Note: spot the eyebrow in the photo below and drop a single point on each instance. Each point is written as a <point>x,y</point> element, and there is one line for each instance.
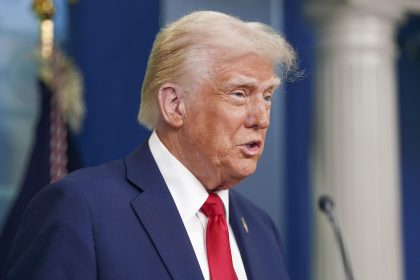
<point>250,82</point>
<point>243,81</point>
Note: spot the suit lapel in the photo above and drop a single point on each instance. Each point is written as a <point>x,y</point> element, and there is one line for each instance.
<point>243,236</point>
<point>158,214</point>
<point>260,260</point>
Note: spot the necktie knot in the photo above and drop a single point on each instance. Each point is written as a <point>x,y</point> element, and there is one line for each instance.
<point>213,206</point>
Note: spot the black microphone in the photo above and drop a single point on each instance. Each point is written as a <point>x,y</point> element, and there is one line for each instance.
<point>326,205</point>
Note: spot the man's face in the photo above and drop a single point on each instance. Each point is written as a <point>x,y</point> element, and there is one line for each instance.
<point>226,120</point>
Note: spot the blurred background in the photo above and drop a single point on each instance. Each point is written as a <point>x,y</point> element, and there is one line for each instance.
<point>349,127</point>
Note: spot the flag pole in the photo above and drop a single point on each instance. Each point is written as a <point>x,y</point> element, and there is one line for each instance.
<point>44,10</point>
<point>64,81</point>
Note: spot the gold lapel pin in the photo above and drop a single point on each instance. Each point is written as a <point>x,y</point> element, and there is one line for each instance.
<point>244,225</point>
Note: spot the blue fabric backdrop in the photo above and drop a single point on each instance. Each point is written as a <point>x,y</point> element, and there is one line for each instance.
<point>409,103</point>
<point>298,137</point>
<point>111,40</point>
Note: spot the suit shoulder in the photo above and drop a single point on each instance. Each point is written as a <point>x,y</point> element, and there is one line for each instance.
<point>98,173</point>
<point>102,182</point>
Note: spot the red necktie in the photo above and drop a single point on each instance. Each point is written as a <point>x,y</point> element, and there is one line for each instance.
<point>217,240</point>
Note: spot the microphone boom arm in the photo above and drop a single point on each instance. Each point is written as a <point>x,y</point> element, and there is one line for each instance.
<point>326,205</point>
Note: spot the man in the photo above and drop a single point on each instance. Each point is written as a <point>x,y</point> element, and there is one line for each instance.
<point>166,211</point>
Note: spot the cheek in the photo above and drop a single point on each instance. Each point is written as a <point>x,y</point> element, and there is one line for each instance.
<point>231,120</point>
<point>216,128</point>
<point>223,123</point>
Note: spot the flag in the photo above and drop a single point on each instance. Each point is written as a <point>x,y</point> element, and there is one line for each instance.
<point>37,173</point>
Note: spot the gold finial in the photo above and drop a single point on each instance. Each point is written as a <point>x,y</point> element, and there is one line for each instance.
<point>44,9</point>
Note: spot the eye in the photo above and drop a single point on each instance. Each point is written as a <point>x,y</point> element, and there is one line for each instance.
<point>239,94</point>
<point>268,97</point>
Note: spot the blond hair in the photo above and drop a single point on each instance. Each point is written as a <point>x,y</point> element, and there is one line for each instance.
<point>183,44</point>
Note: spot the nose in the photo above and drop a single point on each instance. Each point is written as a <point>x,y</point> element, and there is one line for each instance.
<point>258,115</point>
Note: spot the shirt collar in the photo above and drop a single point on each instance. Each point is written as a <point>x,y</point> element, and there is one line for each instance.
<point>186,190</point>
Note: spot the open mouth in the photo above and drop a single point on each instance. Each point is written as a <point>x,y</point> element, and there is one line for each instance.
<point>251,148</point>
<point>252,145</point>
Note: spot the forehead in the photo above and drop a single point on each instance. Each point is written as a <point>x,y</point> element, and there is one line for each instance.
<point>249,70</point>
<point>238,80</point>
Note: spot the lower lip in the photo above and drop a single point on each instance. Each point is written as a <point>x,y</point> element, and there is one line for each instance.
<point>250,150</point>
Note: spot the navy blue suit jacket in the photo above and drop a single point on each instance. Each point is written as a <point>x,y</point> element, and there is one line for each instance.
<point>119,221</point>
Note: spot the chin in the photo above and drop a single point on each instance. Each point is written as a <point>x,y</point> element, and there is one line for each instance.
<point>245,170</point>
<point>234,172</point>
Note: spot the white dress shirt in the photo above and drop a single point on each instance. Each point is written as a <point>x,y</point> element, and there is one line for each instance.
<point>189,195</point>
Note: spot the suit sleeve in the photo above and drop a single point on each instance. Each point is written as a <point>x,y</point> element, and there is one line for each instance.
<point>55,238</point>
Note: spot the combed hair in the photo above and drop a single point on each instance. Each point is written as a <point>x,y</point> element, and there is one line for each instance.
<point>181,48</point>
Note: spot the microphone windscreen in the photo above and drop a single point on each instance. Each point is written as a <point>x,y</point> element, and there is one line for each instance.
<point>325,203</point>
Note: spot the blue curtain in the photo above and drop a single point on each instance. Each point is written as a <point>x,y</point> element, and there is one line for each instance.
<point>298,136</point>
<point>409,102</point>
<point>110,41</point>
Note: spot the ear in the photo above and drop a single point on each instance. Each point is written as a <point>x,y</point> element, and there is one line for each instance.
<point>171,105</point>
